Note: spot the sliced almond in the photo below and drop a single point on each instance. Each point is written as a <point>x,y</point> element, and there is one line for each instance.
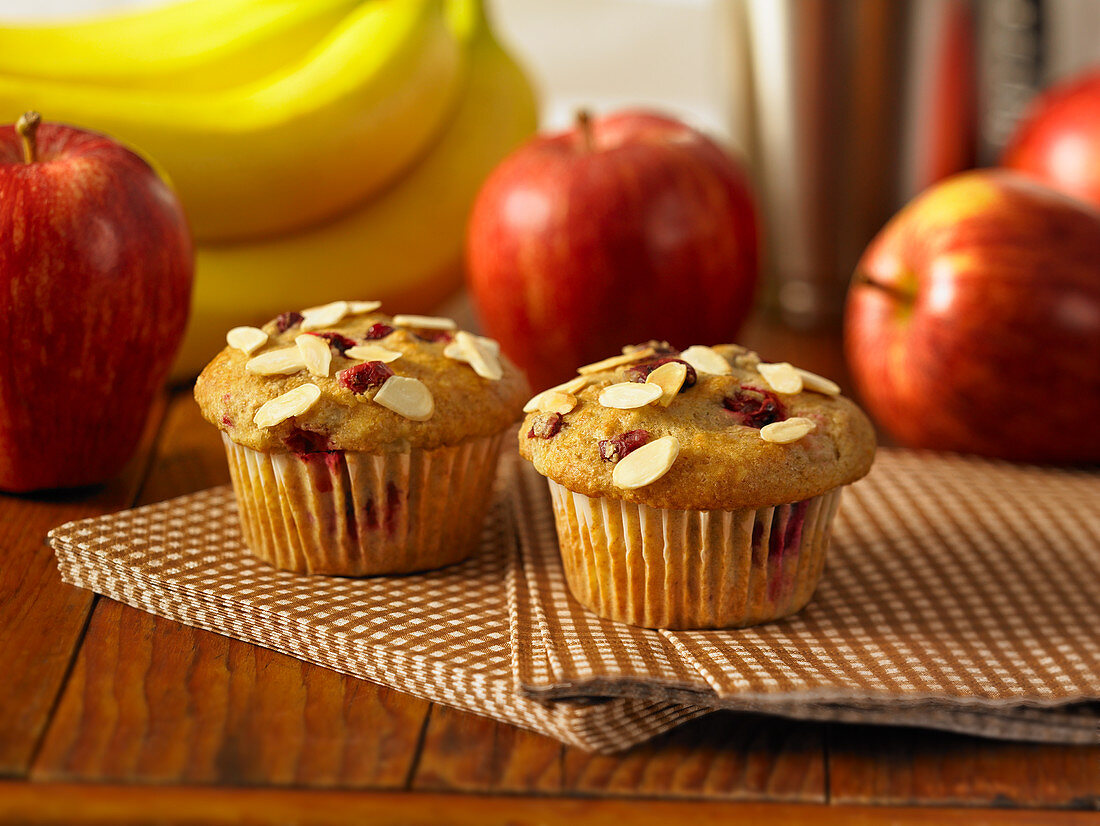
<point>574,385</point>
<point>284,361</point>
<point>372,352</point>
<point>478,356</point>
<point>628,395</point>
<point>316,354</point>
<point>425,322</point>
<point>670,377</point>
<point>706,360</point>
<point>818,384</point>
<point>781,377</point>
<point>616,361</point>
<point>455,351</point>
<point>406,397</point>
<point>551,401</point>
<point>292,403</point>
<point>647,464</point>
<point>360,307</point>
<point>317,318</point>
<point>246,339</point>
<point>787,431</point>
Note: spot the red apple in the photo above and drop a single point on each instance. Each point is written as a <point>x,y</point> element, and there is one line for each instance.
<point>626,228</point>
<point>973,321</point>
<point>1058,140</point>
<point>95,281</point>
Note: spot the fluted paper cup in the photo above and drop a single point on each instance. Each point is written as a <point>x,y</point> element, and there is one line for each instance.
<point>683,569</point>
<point>354,514</point>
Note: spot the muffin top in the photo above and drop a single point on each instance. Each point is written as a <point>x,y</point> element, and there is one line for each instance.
<point>702,429</point>
<point>344,376</point>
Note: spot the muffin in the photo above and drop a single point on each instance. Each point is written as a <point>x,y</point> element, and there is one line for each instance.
<point>359,443</point>
<point>695,489</point>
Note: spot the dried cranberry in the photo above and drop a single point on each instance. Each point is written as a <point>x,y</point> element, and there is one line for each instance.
<point>640,372</point>
<point>546,427</point>
<point>754,407</point>
<point>435,335</point>
<point>284,321</point>
<point>376,331</point>
<point>621,446</point>
<point>362,377</point>
<point>341,344</point>
<point>228,422</point>
<point>302,441</point>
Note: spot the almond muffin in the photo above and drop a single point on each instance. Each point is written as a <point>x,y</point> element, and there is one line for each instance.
<point>695,489</point>
<point>360,443</point>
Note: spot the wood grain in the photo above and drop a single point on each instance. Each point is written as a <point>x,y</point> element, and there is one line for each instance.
<point>901,766</point>
<point>150,700</point>
<point>464,752</point>
<point>42,618</point>
<point>25,803</point>
<point>724,755</point>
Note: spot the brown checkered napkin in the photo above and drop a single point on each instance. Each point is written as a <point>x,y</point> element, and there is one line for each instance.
<point>444,635</point>
<point>960,594</point>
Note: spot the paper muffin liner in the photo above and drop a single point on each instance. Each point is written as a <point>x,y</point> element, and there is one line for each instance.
<point>353,514</point>
<point>684,569</point>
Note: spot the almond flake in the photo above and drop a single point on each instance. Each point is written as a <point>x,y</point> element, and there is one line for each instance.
<point>246,339</point>
<point>706,360</point>
<point>316,354</point>
<point>292,403</point>
<point>425,322</point>
<point>372,352</point>
<point>818,384</point>
<point>616,361</point>
<point>627,395</point>
<point>284,361</point>
<point>670,377</point>
<point>787,431</point>
<point>455,351</point>
<point>781,377</point>
<point>406,397</point>
<point>574,385</point>
<point>646,464</point>
<point>551,401</point>
<point>479,357</point>
<point>316,318</point>
<point>360,307</point>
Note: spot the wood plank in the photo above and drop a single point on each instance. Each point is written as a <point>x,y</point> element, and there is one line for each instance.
<point>42,618</point>
<point>902,766</point>
<point>27,803</point>
<point>151,700</point>
<point>465,752</point>
<point>724,755</point>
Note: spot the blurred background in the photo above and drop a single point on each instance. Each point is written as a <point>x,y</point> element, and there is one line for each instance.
<point>843,109</point>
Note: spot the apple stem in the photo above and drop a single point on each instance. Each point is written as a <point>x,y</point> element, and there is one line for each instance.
<point>27,127</point>
<point>861,279</point>
<point>584,126</point>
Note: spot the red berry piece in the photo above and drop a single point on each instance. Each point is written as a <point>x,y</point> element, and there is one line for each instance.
<point>341,344</point>
<point>362,377</point>
<point>640,372</point>
<point>377,331</point>
<point>621,446</point>
<point>284,321</point>
<point>546,427</point>
<point>754,407</point>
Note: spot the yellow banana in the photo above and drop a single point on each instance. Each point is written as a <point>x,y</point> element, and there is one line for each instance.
<point>196,45</point>
<point>301,145</point>
<point>404,247</point>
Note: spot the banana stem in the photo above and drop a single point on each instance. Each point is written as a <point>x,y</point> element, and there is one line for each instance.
<point>584,126</point>
<point>27,127</point>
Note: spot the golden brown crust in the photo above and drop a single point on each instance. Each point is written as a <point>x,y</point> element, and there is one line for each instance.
<point>466,405</point>
<point>722,465</point>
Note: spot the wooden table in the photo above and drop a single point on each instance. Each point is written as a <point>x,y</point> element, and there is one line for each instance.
<point>111,715</point>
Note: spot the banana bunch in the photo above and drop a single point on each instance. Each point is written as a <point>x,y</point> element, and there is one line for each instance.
<point>323,149</point>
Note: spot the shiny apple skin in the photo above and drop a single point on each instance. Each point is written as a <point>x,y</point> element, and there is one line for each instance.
<point>1058,140</point>
<point>997,351</point>
<point>577,250</point>
<point>95,281</point>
